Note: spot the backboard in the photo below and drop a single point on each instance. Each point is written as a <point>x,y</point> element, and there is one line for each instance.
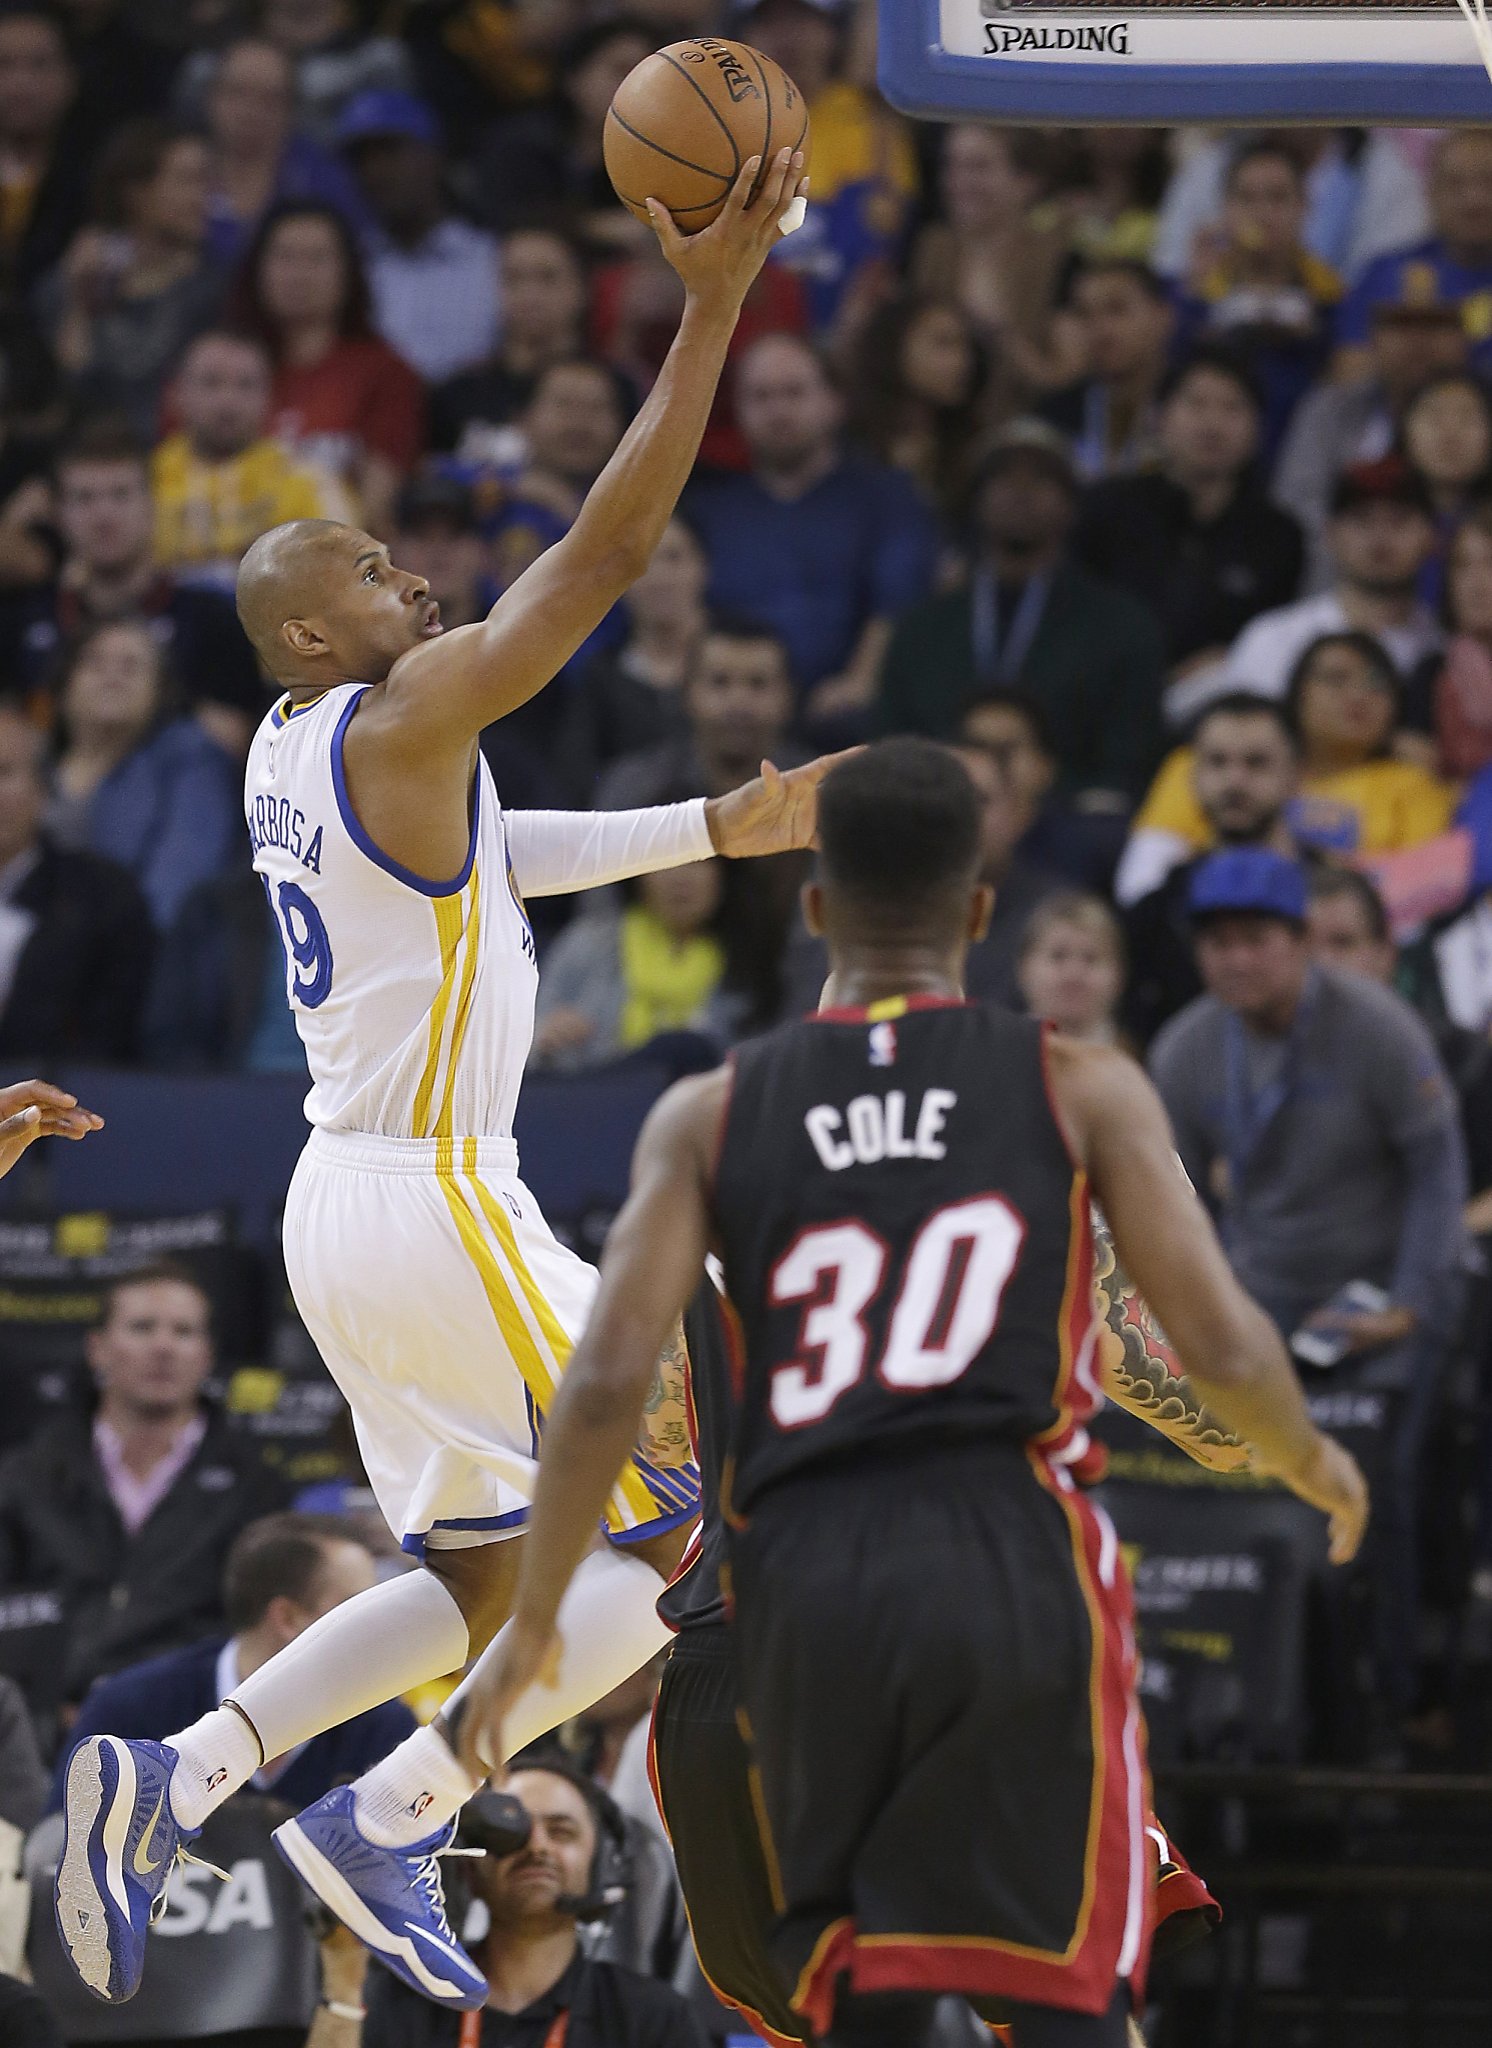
<point>1257,61</point>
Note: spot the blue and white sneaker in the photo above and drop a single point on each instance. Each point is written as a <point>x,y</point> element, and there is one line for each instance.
<point>118,1850</point>
<point>392,1899</point>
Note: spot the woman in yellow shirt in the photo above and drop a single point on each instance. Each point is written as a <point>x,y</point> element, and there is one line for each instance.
<point>1355,797</point>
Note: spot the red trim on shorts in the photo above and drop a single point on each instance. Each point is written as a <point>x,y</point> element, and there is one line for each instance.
<point>813,1995</point>
<point>1178,1889</point>
<point>1118,1865</point>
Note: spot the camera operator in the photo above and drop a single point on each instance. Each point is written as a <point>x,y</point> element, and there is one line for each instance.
<point>545,1991</point>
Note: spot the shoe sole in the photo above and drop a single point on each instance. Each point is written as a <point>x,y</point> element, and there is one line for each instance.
<point>323,1878</point>
<point>81,1907</point>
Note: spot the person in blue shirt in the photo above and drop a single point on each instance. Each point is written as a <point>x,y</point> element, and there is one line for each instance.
<point>134,783</point>
<point>261,156</point>
<point>1454,264</point>
<point>822,544</point>
<point>283,1573</point>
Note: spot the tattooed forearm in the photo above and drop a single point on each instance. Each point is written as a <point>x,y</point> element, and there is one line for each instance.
<point>1142,1374</point>
<point>665,1428</point>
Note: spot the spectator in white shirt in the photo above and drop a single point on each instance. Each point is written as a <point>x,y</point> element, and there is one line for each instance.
<point>433,275</point>
<point>1380,536</point>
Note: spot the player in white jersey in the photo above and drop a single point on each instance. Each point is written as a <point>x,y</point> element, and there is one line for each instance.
<point>441,1302</point>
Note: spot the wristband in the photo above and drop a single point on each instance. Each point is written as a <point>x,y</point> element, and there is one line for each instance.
<point>339,2009</point>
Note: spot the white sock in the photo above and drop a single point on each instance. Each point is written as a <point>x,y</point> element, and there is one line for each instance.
<point>216,1755</point>
<point>415,1790</point>
<point>608,1626</point>
<point>368,1650</point>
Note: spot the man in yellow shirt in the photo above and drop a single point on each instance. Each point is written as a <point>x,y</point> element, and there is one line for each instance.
<point>221,481</point>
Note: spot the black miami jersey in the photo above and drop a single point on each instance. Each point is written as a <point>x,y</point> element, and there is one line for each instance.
<point>905,1242</point>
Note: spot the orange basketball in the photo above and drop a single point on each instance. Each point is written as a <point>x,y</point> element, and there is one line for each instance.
<point>685,120</point>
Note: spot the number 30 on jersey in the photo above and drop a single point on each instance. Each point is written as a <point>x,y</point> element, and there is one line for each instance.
<point>946,1307</point>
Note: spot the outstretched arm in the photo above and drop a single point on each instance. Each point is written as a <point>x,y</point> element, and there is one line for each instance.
<point>34,1109</point>
<point>1167,1243</point>
<point>649,1272</point>
<point>1141,1373</point>
<point>446,691</point>
<point>557,852</point>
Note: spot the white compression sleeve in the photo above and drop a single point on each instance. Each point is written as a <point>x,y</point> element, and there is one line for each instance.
<point>368,1650</point>
<point>557,852</point>
<point>608,1628</point>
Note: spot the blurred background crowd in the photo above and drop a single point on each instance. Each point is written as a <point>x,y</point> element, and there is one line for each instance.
<point>1149,469</point>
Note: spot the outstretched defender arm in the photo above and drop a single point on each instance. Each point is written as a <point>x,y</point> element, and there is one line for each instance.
<point>1163,1235</point>
<point>650,1269</point>
<point>1140,1372</point>
<point>442,694</point>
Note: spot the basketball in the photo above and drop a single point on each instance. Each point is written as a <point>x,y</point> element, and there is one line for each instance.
<point>685,120</point>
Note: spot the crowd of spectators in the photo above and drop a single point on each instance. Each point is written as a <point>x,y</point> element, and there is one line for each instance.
<point>1151,470</point>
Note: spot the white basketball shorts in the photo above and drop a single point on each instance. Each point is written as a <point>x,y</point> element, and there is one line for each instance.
<point>445,1309</point>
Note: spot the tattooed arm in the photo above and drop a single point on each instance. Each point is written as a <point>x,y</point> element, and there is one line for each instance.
<point>1142,1374</point>
<point>665,1437</point>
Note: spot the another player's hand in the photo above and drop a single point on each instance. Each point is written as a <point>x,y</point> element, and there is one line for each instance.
<point>719,263</point>
<point>776,813</point>
<point>34,1109</point>
<point>523,1656</point>
<point>1331,1481</point>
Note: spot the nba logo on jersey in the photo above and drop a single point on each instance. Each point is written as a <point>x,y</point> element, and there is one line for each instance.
<point>881,1050</point>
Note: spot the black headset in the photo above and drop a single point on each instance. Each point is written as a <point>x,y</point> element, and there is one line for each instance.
<point>497,1823</point>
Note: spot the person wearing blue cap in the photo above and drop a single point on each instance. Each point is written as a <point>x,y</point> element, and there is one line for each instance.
<point>1311,1106</point>
<point>433,275</point>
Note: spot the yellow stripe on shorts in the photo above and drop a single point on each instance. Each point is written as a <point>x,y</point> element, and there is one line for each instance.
<point>631,1503</point>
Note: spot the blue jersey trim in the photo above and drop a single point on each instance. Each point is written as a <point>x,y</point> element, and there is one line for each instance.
<point>374,852</point>
<point>495,1525</point>
<point>624,1538</point>
<point>287,709</point>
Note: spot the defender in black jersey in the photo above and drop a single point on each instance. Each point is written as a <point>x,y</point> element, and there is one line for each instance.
<point>701,1768</point>
<point>932,1636</point>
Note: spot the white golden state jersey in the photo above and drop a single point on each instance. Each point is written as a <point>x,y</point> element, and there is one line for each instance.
<point>414,999</point>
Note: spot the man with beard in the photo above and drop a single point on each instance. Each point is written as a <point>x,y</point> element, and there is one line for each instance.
<point>544,1988</point>
<point>1245,766</point>
<point>1379,538</point>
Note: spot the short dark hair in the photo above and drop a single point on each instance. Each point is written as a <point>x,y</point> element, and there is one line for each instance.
<point>1255,152</point>
<point>741,627</point>
<point>132,157</point>
<point>235,336</point>
<point>1218,361</point>
<point>1150,282</point>
<point>175,1271</point>
<point>1022,703</point>
<point>106,437</point>
<point>278,1558</point>
<point>898,827</point>
<point>1326,882</point>
<point>622,389</point>
<point>1245,704</point>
